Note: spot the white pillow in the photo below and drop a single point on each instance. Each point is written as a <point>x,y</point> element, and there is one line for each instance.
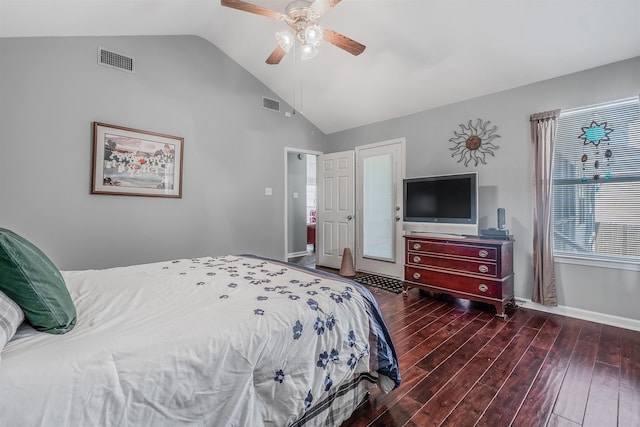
<point>11,316</point>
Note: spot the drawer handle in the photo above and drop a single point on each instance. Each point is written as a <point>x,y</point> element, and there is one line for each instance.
<point>416,276</point>
<point>483,288</point>
<point>483,253</point>
<point>417,246</point>
<point>417,259</point>
<point>483,268</point>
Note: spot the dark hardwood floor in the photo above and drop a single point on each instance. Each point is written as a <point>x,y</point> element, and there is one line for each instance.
<point>462,366</point>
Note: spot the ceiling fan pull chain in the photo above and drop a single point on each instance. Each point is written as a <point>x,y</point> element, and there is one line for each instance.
<point>301,89</point>
<point>294,76</point>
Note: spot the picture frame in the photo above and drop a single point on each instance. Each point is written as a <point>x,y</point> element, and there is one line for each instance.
<point>134,162</point>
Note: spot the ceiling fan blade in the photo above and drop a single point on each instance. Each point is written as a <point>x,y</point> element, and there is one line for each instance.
<point>320,7</point>
<point>252,8</point>
<point>343,42</point>
<point>276,56</point>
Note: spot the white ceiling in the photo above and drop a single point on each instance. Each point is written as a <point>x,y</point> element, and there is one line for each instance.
<point>420,53</point>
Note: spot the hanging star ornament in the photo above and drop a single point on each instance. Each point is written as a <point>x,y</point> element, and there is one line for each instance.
<point>595,133</point>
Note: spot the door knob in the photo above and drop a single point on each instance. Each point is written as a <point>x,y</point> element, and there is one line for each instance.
<point>350,217</point>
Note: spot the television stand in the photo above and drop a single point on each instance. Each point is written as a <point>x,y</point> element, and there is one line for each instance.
<point>472,268</point>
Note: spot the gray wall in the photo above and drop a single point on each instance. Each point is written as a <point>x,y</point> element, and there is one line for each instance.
<point>51,90</point>
<point>297,207</point>
<point>506,179</point>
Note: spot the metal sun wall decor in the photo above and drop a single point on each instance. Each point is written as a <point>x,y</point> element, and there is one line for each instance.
<point>474,142</point>
<point>594,134</point>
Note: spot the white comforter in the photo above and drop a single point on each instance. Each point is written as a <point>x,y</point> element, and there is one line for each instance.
<point>227,341</point>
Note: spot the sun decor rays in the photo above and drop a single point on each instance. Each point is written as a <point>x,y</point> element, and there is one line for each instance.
<point>473,143</point>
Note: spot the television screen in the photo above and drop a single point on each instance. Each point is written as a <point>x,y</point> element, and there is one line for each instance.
<point>446,198</point>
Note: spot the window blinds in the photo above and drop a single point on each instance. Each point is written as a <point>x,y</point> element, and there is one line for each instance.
<point>596,181</point>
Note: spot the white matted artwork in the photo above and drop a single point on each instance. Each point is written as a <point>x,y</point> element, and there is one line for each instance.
<point>134,162</point>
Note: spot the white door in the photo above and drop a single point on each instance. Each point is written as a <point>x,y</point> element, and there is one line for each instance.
<point>336,200</point>
<point>379,174</point>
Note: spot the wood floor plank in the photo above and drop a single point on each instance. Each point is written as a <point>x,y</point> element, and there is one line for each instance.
<point>403,322</point>
<point>514,390</point>
<point>629,407</point>
<point>538,404</point>
<point>498,373</point>
<point>392,303</point>
<point>560,352</point>
<point>471,408</point>
<point>590,332</point>
<point>522,317</point>
<point>610,346</point>
<point>558,421</point>
<point>428,339</point>
<point>438,376</point>
<point>548,332</point>
<point>452,344</point>
<point>399,413</point>
<point>406,339</point>
<point>602,403</point>
<point>377,402</point>
<point>536,410</point>
<point>406,316</point>
<point>537,320</point>
<point>506,334</point>
<point>630,361</point>
<point>572,399</point>
<point>492,327</point>
<point>449,396</point>
<point>419,320</point>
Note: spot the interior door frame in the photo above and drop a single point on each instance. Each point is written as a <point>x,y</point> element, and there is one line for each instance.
<point>288,150</point>
<point>398,244</point>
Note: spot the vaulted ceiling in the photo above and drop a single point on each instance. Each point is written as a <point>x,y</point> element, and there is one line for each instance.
<point>420,53</point>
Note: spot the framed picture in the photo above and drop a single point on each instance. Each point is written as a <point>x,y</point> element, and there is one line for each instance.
<point>132,162</point>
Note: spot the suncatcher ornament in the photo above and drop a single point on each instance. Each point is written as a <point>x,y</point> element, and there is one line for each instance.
<point>594,134</point>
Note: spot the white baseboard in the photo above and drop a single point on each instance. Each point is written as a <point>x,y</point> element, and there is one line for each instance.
<point>578,313</point>
<point>295,254</point>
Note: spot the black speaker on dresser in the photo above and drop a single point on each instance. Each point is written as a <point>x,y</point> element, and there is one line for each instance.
<point>500,232</point>
<point>501,218</point>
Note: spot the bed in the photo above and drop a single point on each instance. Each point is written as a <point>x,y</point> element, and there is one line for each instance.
<point>212,341</point>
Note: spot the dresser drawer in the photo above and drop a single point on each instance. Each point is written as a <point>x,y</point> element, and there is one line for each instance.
<point>484,268</point>
<point>470,251</point>
<point>469,285</point>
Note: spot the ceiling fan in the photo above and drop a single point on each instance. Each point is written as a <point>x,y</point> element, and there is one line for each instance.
<point>302,16</point>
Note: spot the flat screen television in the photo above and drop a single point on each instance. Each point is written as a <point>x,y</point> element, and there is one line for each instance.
<point>443,204</point>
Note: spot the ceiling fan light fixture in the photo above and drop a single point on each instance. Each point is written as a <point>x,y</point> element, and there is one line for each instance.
<point>308,52</point>
<point>313,35</point>
<point>285,40</point>
<point>302,17</point>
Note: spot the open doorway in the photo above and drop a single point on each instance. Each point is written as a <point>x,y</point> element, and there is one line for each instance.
<point>301,206</point>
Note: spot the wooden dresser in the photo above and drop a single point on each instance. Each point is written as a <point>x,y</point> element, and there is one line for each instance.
<point>471,268</point>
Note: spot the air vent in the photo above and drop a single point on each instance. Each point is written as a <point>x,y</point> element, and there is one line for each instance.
<point>270,104</point>
<point>115,60</point>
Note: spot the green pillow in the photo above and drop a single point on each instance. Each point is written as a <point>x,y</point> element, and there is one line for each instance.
<point>31,280</point>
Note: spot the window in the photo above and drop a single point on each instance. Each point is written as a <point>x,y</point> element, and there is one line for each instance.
<point>596,182</point>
